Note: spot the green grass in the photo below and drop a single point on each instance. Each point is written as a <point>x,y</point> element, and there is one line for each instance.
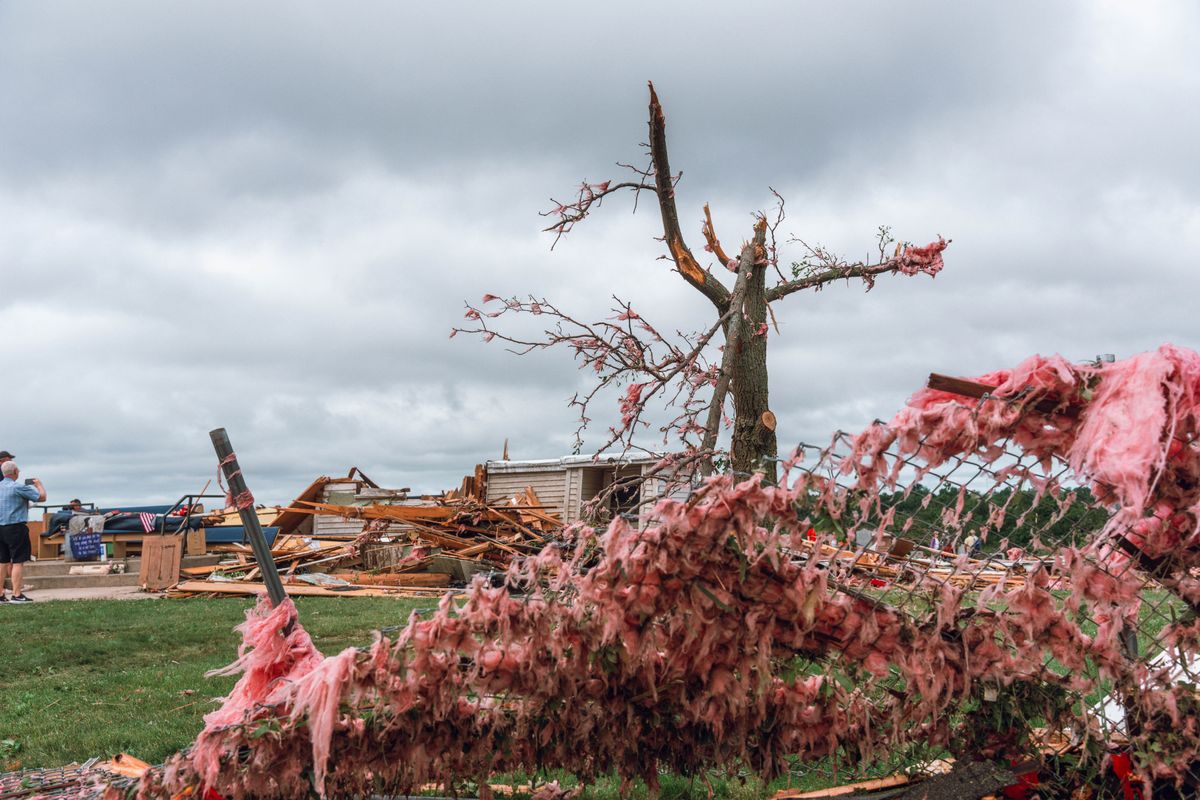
<point>94,678</point>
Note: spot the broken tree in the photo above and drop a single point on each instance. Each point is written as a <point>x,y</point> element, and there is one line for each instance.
<point>685,373</point>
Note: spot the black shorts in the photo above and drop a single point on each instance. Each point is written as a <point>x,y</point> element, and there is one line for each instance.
<point>14,543</point>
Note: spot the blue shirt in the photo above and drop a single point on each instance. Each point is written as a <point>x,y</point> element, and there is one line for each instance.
<point>14,501</point>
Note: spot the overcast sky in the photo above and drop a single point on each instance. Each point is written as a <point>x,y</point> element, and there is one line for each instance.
<point>266,216</point>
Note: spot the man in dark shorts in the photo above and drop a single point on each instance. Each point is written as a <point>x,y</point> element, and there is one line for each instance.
<point>15,498</point>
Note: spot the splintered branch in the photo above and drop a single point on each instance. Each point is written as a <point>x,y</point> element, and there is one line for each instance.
<point>703,280</point>
<point>713,243</point>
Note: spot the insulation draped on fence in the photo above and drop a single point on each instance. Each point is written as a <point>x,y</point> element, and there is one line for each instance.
<point>1009,579</point>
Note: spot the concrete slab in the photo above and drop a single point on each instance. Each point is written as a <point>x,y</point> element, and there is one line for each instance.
<point>89,593</point>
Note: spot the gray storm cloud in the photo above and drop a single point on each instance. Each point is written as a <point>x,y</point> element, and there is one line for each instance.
<point>268,217</point>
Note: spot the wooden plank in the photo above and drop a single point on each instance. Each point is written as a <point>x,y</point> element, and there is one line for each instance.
<point>399,513</point>
<point>152,551</point>
<point>195,542</point>
<point>125,765</point>
<point>495,512</point>
<point>480,482</point>
<point>300,590</point>
<point>168,568</point>
<point>395,578</point>
<point>967,388</point>
<point>838,791</point>
<point>161,557</point>
<point>281,559</point>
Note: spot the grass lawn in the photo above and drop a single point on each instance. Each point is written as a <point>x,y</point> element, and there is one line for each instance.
<point>93,678</point>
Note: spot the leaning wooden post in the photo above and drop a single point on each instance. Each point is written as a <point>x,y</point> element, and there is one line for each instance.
<point>244,502</point>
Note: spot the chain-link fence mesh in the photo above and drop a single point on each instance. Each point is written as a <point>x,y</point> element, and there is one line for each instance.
<point>989,532</point>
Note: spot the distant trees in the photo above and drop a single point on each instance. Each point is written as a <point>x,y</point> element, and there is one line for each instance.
<point>1023,518</point>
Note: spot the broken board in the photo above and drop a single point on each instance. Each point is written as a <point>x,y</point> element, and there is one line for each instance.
<point>161,556</point>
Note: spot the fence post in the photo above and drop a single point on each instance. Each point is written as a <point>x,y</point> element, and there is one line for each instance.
<point>244,502</point>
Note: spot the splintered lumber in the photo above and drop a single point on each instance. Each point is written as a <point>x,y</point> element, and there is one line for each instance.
<point>335,554</point>
<point>298,590</point>
<point>524,501</point>
<point>968,388</point>
<point>497,788</point>
<point>445,539</point>
<point>838,791</point>
<point>267,516</point>
<point>451,516</point>
<point>440,537</point>
<point>514,522</point>
<point>982,577</point>
<point>281,559</point>
<point>386,512</point>
<point>290,518</point>
<point>474,550</point>
<point>548,521</point>
<point>437,579</point>
<point>124,765</point>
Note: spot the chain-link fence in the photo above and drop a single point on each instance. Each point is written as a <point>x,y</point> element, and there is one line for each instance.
<point>1095,685</point>
<point>939,607</point>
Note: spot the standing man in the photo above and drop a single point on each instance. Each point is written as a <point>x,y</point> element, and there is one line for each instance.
<point>971,545</point>
<point>5,456</point>
<point>14,528</point>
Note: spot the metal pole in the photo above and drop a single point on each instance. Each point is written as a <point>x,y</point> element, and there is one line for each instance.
<point>245,506</point>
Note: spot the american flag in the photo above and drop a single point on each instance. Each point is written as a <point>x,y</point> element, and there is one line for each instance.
<point>147,521</point>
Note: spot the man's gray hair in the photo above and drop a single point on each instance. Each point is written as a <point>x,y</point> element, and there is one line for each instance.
<point>9,469</point>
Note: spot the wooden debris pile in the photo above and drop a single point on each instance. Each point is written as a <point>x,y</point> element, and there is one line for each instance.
<point>905,563</point>
<point>375,542</point>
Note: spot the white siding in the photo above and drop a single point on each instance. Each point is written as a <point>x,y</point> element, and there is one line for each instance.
<point>574,488</point>
<point>654,489</point>
<point>324,525</point>
<point>562,484</point>
<point>337,493</point>
<point>549,485</point>
<point>651,492</point>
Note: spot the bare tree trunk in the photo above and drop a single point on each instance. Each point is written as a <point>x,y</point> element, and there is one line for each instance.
<point>754,447</point>
<point>733,324</point>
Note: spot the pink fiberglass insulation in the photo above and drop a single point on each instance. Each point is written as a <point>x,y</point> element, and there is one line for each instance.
<point>1128,427</point>
<point>583,670</point>
<point>275,651</point>
<point>677,647</point>
<point>927,259</point>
